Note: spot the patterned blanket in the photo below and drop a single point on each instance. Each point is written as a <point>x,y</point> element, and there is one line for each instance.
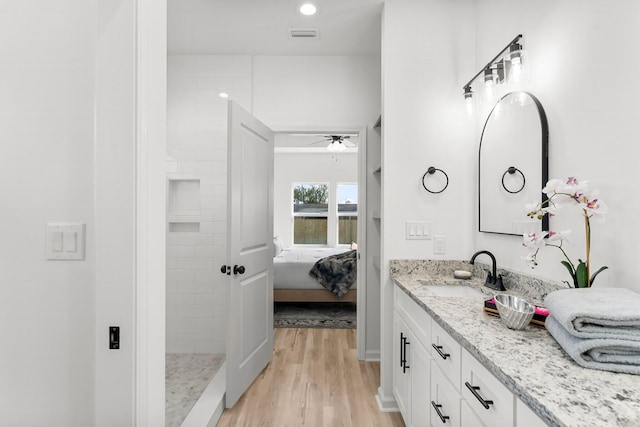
<point>337,273</point>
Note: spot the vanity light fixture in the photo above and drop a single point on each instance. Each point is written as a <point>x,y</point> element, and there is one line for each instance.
<point>511,68</point>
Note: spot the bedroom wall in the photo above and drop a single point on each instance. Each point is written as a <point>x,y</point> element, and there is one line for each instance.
<point>292,168</point>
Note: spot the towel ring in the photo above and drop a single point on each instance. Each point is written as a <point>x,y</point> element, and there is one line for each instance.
<point>431,171</point>
<point>511,170</point>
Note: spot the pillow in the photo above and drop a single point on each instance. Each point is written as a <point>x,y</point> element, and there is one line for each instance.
<point>277,245</point>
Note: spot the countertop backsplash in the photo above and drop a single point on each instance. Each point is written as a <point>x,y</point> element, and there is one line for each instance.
<point>527,287</point>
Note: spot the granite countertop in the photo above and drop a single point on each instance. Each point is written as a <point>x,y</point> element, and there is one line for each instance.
<point>529,362</point>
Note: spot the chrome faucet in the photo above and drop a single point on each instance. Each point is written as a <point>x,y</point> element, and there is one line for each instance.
<point>493,281</point>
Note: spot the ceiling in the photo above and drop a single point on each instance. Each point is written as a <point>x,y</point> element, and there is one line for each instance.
<point>261,27</point>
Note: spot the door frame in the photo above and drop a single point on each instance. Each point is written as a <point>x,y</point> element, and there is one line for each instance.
<point>150,35</point>
<point>361,302</point>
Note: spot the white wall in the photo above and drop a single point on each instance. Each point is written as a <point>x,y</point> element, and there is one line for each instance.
<point>197,148</point>
<point>46,166</point>
<point>285,93</point>
<point>290,168</point>
<point>322,92</point>
<point>427,53</point>
<point>68,153</point>
<point>584,76</point>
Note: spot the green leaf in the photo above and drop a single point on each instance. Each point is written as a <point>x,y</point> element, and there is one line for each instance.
<point>569,267</point>
<point>581,275</point>
<point>593,276</point>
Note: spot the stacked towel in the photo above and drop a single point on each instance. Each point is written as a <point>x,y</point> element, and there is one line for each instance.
<point>598,328</point>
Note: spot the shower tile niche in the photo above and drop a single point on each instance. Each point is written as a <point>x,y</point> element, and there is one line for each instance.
<point>184,197</point>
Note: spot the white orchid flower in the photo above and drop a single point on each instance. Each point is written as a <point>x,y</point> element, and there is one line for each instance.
<point>530,259</point>
<point>533,240</point>
<point>555,236</point>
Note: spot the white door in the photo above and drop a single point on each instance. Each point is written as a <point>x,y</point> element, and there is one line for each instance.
<point>249,250</point>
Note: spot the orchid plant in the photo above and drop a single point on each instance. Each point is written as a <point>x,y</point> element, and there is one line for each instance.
<point>567,194</point>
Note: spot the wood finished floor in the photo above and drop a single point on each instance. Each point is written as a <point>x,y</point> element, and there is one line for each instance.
<point>314,379</point>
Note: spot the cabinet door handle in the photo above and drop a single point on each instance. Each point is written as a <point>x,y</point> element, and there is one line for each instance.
<point>437,407</point>
<point>401,350</point>
<point>404,361</point>
<point>474,391</point>
<point>439,350</point>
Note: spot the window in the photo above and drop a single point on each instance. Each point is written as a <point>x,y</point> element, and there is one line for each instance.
<point>310,214</point>
<point>347,213</point>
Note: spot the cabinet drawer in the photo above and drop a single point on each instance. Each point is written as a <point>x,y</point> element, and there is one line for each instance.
<point>415,316</point>
<point>445,351</point>
<point>468,418</point>
<point>445,400</point>
<point>492,402</point>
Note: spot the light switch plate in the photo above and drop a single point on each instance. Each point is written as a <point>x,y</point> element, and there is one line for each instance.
<point>418,230</point>
<point>65,241</point>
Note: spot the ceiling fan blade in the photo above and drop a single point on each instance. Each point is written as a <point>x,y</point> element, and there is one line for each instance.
<point>318,142</point>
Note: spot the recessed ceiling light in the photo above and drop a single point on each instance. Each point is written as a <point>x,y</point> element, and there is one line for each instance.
<point>308,9</point>
<point>223,95</point>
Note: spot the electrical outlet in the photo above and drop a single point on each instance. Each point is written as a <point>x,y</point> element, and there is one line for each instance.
<point>439,245</point>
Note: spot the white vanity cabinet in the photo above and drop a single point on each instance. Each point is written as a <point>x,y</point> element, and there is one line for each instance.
<point>411,361</point>
<point>436,382</point>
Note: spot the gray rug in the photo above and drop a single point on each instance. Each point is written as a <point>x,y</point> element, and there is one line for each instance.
<point>341,315</point>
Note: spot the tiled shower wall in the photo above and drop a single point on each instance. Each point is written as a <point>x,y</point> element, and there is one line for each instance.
<point>196,147</point>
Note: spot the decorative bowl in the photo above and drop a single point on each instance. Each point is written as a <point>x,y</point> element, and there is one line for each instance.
<point>515,312</point>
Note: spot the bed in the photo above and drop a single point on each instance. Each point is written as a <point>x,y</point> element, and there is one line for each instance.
<point>292,282</point>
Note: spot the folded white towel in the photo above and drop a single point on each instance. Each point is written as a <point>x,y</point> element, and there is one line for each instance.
<point>597,312</point>
<point>613,355</point>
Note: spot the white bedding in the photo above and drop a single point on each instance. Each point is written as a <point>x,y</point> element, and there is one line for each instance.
<point>291,267</point>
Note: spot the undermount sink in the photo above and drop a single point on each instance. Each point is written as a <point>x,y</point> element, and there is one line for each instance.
<point>454,291</point>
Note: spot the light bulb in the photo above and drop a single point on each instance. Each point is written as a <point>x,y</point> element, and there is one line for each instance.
<point>468,100</point>
<point>331,147</point>
<point>518,65</point>
<point>340,147</point>
<point>308,9</point>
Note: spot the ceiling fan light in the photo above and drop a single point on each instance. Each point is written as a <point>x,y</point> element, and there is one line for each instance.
<point>307,9</point>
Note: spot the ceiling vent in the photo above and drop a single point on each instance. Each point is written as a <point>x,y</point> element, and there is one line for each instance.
<point>298,33</point>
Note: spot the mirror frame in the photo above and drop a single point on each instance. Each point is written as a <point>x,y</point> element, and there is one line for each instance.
<point>544,151</point>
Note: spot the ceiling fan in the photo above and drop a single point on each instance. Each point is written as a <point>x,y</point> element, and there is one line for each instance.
<point>337,143</point>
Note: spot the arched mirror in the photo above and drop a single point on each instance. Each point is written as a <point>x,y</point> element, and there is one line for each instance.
<point>513,165</point>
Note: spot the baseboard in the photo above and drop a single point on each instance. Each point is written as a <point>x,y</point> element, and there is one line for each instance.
<point>386,403</point>
<point>372,355</point>
<point>208,409</point>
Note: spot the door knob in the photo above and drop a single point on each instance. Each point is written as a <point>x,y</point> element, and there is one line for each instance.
<point>226,269</point>
<point>238,269</point>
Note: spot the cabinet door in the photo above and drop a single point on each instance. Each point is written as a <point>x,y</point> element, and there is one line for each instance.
<point>420,385</point>
<point>445,400</point>
<point>468,418</point>
<point>525,417</point>
<point>401,366</point>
